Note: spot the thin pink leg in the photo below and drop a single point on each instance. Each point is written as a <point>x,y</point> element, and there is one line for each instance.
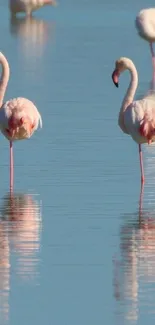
<point>153,63</point>
<point>141,202</point>
<point>11,167</point>
<point>141,165</point>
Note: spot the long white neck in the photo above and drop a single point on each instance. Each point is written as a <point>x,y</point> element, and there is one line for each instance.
<point>4,77</point>
<point>129,96</point>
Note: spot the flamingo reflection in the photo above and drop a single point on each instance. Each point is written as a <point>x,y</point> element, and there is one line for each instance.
<point>32,34</point>
<point>136,265</point>
<point>20,230</point>
<point>4,273</point>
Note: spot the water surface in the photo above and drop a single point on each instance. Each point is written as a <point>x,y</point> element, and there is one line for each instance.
<point>75,247</point>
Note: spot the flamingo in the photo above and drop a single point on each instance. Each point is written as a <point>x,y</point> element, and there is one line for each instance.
<point>145,24</point>
<point>19,117</point>
<point>28,6</point>
<point>136,118</point>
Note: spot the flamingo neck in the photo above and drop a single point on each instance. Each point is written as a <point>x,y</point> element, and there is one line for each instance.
<point>129,96</point>
<point>4,77</point>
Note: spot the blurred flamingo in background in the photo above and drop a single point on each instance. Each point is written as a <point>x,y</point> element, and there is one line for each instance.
<point>136,118</point>
<point>28,6</point>
<point>19,117</point>
<point>145,24</point>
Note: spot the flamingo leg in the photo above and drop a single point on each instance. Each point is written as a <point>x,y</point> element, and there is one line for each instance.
<point>141,202</point>
<point>11,167</point>
<point>141,165</point>
<point>153,63</point>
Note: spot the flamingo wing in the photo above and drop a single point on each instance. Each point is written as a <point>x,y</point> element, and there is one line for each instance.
<point>21,108</point>
<point>16,110</point>
<point>139,119</point>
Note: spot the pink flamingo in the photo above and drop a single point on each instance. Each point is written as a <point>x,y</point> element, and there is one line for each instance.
<point>29,6</point>
<point>19,118</point>
<point>136,118</point>
<point>145,24</point>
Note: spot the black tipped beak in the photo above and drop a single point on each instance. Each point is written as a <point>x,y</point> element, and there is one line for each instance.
<point>116,84</point>
<point>115,77</point>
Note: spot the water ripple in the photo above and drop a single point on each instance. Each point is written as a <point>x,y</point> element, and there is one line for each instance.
<point>20,231</point>
<point>134,265</point>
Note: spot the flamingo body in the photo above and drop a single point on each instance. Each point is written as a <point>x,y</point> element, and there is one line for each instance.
<point>28,6</point>
<point>145,24</point>
<point>139,120</point>
<point>136,118</point>
<point>19,118</point>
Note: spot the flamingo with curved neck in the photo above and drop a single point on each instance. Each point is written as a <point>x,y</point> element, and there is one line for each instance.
<point>136,118</point>
<point>19,117</point>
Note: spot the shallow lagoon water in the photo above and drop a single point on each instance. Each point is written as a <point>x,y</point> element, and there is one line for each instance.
<point>75,247</point>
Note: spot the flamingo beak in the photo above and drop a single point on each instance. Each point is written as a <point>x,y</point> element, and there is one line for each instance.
<point>115,77</point>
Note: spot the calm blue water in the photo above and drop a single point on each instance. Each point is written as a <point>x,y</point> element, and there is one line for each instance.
<point>74,247</point>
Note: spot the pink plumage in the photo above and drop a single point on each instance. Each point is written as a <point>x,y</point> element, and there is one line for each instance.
<point>147,127</point>
<point>29,6</point>
<point>19,117</point>
<point>136,118</point>
<point>145,24</point>
<point>139,119</point>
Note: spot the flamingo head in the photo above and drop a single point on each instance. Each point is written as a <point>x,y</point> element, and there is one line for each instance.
<point>121,65</point>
